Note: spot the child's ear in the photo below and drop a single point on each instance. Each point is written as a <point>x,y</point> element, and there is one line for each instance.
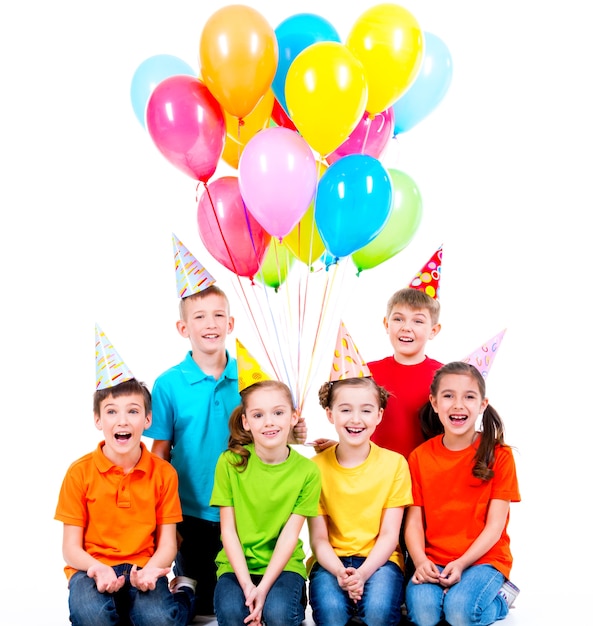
<point>386,324</point>
<point>328,412</point>
<point>433,403</point>
<point>97,420</point>
<point>436,329</point>
<point>148,420</point>
<point>231,325</point>
<point>245,422</point>
<point>182,328</point>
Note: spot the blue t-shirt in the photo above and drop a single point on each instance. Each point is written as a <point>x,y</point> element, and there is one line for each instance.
<point>192,409</point>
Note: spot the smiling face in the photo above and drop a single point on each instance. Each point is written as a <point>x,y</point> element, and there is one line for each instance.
<point>458,403</point>
<point>355,413</point>
<point>123,420</point>
<point>409,329</point>
<point>269,417</point>
<point>206,322</point>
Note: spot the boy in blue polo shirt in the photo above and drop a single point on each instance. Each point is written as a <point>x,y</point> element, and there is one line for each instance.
<point>191,404</point>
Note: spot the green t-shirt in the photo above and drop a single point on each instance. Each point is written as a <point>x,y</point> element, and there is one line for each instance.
<point>264,497</point>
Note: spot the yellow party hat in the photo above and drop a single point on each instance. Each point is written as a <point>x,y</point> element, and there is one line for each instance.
<point>347,361</point>
<point>249,370</point>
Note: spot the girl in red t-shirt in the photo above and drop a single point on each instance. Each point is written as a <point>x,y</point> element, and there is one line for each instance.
<point>463,482</point>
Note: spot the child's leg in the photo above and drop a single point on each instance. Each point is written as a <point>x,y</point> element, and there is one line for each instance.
<point>89,607</point>
<point>286,601</point>
<point>424,603</point>
<point>331,606</point>
<point>229,601</point>
<point>382,596</point>
<point>474,600</point>
<point>160,606</point>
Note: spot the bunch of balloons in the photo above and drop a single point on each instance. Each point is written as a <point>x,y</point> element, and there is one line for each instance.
<point>304,118</point>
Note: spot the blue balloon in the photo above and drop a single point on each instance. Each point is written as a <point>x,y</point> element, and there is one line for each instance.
<point>353,204</point>
<point>295,34</point>
<point>428,88</point>
<point>149,74</point>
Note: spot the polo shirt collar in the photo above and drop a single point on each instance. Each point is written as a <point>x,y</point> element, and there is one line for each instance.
<point>104,465</point>
<point>194,374</point>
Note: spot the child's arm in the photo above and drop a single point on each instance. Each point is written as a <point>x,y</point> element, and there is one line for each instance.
<point>76,556</point>
<point>495,521</point>
<point>162,448</point>
<point>159,563</point>
<point>322,548</point>
<point>425,569</point>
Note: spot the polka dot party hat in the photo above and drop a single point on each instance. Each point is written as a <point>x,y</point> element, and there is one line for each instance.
<point>483,357</point>
<point>110,368</point>
<point>427,279</point>
<point>347,361</point>
<point>248,368</point>
<point>192,277</point>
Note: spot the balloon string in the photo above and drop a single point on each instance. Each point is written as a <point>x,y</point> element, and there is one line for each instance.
<point>366,134</point>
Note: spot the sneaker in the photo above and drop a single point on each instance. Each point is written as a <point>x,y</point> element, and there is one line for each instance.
<point>182,581</point>
<point>509,592</point>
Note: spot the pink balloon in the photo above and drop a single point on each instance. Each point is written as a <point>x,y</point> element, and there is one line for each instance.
<point>370,136</point>
<point>186,123</point>
<point>277,178</point>
<point>229,232</point>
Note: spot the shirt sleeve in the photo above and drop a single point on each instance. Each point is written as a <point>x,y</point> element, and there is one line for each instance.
<point>221,492</point>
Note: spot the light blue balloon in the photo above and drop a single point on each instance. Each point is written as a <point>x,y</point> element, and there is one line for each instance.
<point>149,74</point>
<point>353,204</point>
<point>294,34</point>
<point>428,88</point>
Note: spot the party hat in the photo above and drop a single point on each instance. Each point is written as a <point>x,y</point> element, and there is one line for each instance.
<point>192,277</point>
<point>483,357</point>
<point>249,369</point>
<point>427,279</point>
<point>347,361</point>
<point>110,368</point>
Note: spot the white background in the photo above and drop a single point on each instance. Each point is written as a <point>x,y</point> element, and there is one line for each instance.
<point>88,206</point>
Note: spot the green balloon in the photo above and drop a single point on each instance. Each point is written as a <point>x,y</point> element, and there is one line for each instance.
<point>276,264</point>
<point>401,226</point>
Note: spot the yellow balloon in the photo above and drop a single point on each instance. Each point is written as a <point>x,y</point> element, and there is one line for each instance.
<point>389,43</point>
<point>326,94</point>
<point>232,151</point>
<point>304,240</point>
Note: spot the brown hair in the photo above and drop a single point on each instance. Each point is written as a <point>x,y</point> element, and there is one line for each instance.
<point>415,299</point>
<point>127,388</point>
<point>239,437</point>
<point>209,291</point>
<point>492,426</point>
<point>327,391</point>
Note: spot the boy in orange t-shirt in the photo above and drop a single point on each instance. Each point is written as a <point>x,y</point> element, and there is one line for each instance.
<point>119,506</point>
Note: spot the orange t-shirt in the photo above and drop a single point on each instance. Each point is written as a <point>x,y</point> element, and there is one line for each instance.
<point>455,503</point>
<point>119,512</point>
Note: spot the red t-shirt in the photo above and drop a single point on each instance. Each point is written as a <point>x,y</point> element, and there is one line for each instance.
<point>455,503</point>
<point>409,386</point>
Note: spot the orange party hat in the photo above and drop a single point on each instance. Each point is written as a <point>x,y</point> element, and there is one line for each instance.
<point>249,370</point>
<point>347,361</point>
<point>192,277</point>
<point>110,368</point>
<point>483,357</point>
<point>428,278</point>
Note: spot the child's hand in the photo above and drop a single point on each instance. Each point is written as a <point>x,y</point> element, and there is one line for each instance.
<point>451,574</point>
<point>323,444</point>
<point>254,601</point>
<point>426,572</point>
<point>105,578</point>
<point>354,584</point>
<point>145,579</point>
<point>299,432</point>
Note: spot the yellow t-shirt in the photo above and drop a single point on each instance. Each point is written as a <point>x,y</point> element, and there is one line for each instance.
<point>353,498</point>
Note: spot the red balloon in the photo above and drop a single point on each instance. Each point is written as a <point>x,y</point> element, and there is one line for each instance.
<point>370,137</point>
<point>281,117</point>
<point>228,230</point>
<point>186,123</point>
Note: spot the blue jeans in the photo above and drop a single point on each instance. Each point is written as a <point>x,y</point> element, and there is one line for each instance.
<point>473,601</point>
<point>284,606</point>
<point>128,606</point>
<point>381,600</point>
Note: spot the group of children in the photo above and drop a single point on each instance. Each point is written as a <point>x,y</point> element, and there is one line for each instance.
<point>409,507</point>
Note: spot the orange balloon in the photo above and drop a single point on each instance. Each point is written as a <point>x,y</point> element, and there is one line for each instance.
<point>389,43</point>
<point>243,130</point>
<point>238,57</point>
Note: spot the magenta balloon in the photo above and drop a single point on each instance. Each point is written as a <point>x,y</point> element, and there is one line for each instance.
<point>186,123</point>
<point>370,136</point>
<point>231,235</point>
<point>277,178</point>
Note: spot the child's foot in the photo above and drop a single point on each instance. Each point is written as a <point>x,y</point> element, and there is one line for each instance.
<point>179,582</point>
<point>509,592</point>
